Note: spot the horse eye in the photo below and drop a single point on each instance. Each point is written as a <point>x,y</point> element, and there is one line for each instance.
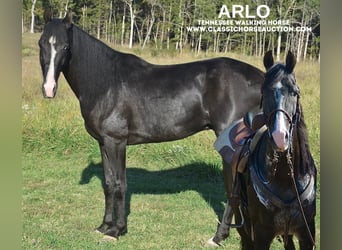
<point>66,47</point>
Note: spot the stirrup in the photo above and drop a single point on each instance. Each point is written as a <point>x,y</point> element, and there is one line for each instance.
<point>230,214</point>
<point>242,220</point>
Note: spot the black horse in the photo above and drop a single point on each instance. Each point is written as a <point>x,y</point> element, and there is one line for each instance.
<point>125,101</point>
<point>278,187</point>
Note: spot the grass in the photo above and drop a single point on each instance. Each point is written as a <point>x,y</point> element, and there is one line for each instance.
<point>175,189</point>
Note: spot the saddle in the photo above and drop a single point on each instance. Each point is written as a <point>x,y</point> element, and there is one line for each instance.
<point>235,144</point>
<point>236,141</point>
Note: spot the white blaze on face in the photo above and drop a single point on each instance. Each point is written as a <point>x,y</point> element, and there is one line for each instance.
<point>279,133</point>
<point>50,82</point>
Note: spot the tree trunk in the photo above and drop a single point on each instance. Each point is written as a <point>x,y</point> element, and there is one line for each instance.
<point>227,43</point>
<point>306,45</point>
<point>281,16</point>
<point>278,46</point>
<point>123,26</point>
<point>156,35</point>
<point>149,28</point>
<point>168,29</point>
<point>32,15</point>
<point>84,13</point>
<point>66,8</point>
<point>98,28</point>
<point>132,15</point>
<point>199,43</point>
<point>244,46</point>
<point>162,29</point>
<point>109,25</point>
<point>179,44</point>
<point>139,33</point>
<point>256,44</point>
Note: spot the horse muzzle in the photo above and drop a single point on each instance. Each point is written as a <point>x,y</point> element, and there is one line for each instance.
<point>281,140</point>
<point>49,89</point>
<point>280,133</point>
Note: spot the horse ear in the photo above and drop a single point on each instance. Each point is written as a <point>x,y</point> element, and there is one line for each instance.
<point>290,62</point>
<point>268,59</point>
<point>47,15</point>
<point>68,18</point>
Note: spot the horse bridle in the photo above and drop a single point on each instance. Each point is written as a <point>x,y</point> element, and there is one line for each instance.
<point>270,115</point>
<point>291,119</point>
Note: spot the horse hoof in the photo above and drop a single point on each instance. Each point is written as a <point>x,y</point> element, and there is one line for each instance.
<point>211,243</point>
<point>109,238</point>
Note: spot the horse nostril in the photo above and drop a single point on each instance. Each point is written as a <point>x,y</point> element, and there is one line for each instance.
<point>280,139</point>
<point>49,90</point>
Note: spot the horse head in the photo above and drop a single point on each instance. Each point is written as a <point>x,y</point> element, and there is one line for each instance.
<point>55,44</point>
<point>280,104</point>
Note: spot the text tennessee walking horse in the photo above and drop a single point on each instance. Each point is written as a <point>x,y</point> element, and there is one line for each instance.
<point>278,187</point>
<point>125,100</point>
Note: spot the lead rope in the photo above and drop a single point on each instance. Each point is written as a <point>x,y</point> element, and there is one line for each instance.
<point>298,198</point>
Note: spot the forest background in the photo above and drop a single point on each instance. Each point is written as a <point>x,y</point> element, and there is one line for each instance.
<point>162,24</point>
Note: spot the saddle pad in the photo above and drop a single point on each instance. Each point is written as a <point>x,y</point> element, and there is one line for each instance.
<point>232,139</point>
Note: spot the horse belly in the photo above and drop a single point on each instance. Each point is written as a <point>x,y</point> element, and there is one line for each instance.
<point>167,119</point>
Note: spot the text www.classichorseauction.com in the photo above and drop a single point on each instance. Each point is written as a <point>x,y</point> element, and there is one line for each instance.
<point>239,18</point>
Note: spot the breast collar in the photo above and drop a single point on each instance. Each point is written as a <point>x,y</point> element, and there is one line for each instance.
<point>263,190</point>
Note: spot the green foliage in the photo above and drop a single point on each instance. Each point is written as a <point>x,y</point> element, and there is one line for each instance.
<point>110,20</point>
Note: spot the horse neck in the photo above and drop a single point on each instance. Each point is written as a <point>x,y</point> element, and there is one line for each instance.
<point>87,60</point>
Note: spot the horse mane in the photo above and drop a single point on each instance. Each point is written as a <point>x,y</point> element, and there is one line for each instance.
<point>91,44</point>
<point>307,164</point>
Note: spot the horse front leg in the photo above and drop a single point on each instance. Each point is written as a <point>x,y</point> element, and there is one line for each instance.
<point>224,227</point>
<point>306,242</point>
<point>113,154</point>
<point>263,237</point>
<point>288,243</point>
